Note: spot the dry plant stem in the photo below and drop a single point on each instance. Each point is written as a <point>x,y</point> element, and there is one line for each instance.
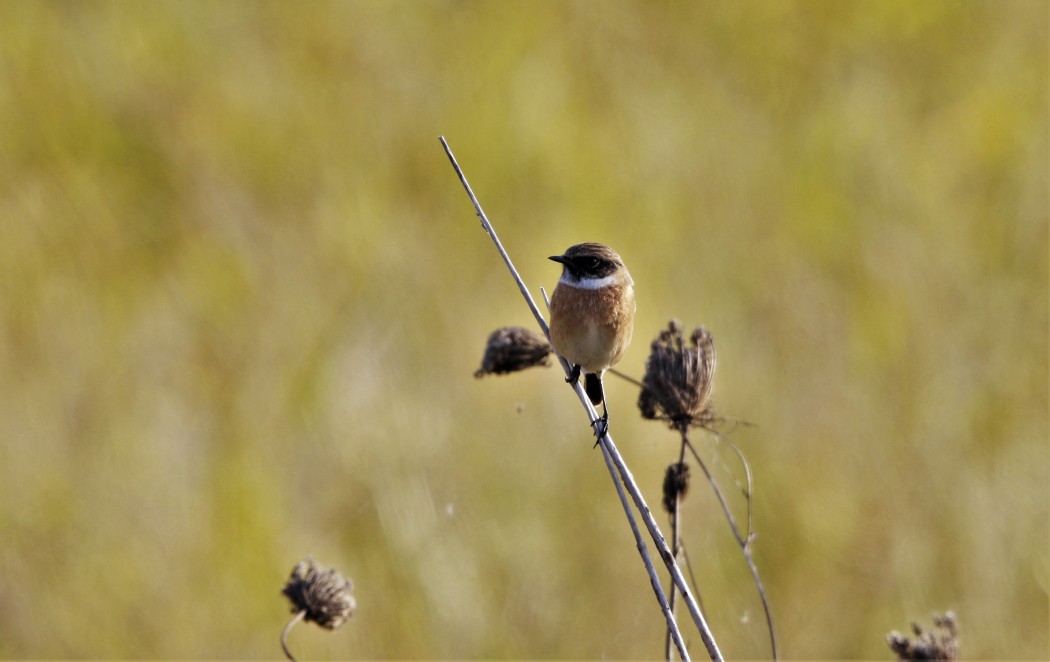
<point>487,227</point>
<point>674,593</point>
<point>744,542</point>
<point>673,633</point>
<point>661,545</point>
<point>288,628</point>
<point>676,545</point>
<point>608,447</point>
<point>626,377</point>
<point>613,458</point>
<point>689,568</point>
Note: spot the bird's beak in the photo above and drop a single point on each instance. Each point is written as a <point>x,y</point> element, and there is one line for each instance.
<point>557,258</point>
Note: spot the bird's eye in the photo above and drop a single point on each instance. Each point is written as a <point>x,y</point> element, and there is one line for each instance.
<point>593,263</point>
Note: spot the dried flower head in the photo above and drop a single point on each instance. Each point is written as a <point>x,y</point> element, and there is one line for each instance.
<point>927,645</point>
<point>513,348</point>
<point>325,597</point>
<point>679,378</point>
<point>676,485</point>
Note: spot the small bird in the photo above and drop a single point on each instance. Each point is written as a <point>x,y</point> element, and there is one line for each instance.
<point>592,317</point>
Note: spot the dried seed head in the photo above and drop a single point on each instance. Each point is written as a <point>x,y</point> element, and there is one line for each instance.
<point>679,378</point>
<point>676,484</point>
<point>928,645</point>
<point>647,405</point>
<point>513,348</point>
<point>324,595</point>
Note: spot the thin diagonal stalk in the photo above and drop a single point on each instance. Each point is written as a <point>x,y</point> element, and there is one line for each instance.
<point>661,546</point>
<point>673,633</point>
<point>626,377</point>
<point>608,447</point>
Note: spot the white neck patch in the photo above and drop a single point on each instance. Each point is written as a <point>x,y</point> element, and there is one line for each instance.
<point>588,283</point>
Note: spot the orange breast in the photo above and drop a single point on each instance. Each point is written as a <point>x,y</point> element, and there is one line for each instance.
<point>592,328</point>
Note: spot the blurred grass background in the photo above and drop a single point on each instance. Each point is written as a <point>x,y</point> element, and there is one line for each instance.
<point>242,296</point>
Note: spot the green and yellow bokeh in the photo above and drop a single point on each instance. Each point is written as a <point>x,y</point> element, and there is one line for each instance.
<point>243,295</point>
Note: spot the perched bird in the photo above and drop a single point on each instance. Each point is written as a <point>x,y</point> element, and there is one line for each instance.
<point>592,317</point>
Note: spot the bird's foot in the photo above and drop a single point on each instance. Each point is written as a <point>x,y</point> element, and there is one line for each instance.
<point>574,375</point>
<point>601,428</point>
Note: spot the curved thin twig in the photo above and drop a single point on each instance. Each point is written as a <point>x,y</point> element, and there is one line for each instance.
<point>743,541</point>
<point>750,482</point>
<point>288,628</point>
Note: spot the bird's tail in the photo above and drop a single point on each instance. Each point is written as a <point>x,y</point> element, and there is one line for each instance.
<point>592,385</point>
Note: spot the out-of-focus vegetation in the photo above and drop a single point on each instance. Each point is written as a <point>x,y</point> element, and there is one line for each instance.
<point>242,296</point>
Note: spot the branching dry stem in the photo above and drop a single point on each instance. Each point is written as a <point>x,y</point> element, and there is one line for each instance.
<point>743,541</point>
<point>612,459</point>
